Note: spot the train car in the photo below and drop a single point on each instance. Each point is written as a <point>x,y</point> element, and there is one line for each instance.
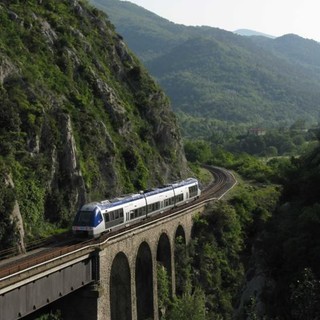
<point>95,218</point>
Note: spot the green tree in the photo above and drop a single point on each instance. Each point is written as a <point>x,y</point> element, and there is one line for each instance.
<point>305,296</point>
<point>182,266</point>
<point>51,316</point>
<point>271,151</point>
<point>198,151</point>
<point>189,306</point>
<point>216,265</point>
<point>163,290</point>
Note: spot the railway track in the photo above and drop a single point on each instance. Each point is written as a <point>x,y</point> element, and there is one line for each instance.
<point>222,182</point>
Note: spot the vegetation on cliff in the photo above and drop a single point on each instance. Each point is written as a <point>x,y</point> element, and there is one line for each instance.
<point>80,117</point>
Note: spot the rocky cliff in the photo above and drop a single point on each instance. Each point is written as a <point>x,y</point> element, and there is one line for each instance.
<point>80,118</point>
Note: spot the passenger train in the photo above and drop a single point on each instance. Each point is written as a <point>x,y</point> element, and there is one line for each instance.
<point>95,218</point>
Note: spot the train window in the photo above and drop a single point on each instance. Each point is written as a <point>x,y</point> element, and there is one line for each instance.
<point>116,214</point>
<point>179,197</point>
<point>169,202</point>
<point>85,217</point>
<point>193,191</point>
<point>106,217</point>
<point>138,212</point>
<point>153,206</point>
<point>142,211</point>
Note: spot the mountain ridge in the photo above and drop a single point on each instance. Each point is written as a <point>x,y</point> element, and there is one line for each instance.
<point>250,33</point>
<point>277,86</point>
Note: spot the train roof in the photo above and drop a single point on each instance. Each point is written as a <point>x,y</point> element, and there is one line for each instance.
<point>105,204</point>
<point>185,182</point>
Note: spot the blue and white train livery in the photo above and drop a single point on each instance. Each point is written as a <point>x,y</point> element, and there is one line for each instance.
<point>95,218</point>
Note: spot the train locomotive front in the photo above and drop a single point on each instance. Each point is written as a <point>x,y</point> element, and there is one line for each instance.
<point>88,221</point>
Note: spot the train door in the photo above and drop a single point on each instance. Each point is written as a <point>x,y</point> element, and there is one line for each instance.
<point>106,220</point>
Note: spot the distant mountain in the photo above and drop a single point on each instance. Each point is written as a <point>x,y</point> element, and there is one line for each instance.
<point>211,73</point>
<point>296,49</point>
<point>249,33</point>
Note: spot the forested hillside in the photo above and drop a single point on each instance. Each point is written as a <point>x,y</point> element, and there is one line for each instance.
<point>212,74</point>
<point>255,254</point>
<point>291,244</point>
<point>80,118</point>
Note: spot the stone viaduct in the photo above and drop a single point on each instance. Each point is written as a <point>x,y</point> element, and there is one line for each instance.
<point>127,286</point>
<point>128,267</point>
<point>115,279</point>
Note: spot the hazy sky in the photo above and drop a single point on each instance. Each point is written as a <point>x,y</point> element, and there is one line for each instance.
<point>274,17</point>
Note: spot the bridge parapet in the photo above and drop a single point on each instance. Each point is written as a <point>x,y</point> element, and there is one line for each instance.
<point>32,289</point>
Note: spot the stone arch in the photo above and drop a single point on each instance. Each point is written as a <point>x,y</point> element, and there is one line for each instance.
<point>164,261</point>
<point>193,231</point>
<point>144,283</point>
<point>120,286</point>
<point>181,260</point>
<point>180,233</point>
<point>164,252</point>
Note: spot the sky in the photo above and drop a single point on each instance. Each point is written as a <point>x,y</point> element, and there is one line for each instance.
<point>273,17</point>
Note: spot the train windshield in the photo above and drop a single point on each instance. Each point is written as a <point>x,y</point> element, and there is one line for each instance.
<point>85,218</point>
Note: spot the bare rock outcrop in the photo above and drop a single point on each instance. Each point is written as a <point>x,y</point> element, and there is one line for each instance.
<point>69,165</point>
<point>7,68</point>
<point>16,219</point>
